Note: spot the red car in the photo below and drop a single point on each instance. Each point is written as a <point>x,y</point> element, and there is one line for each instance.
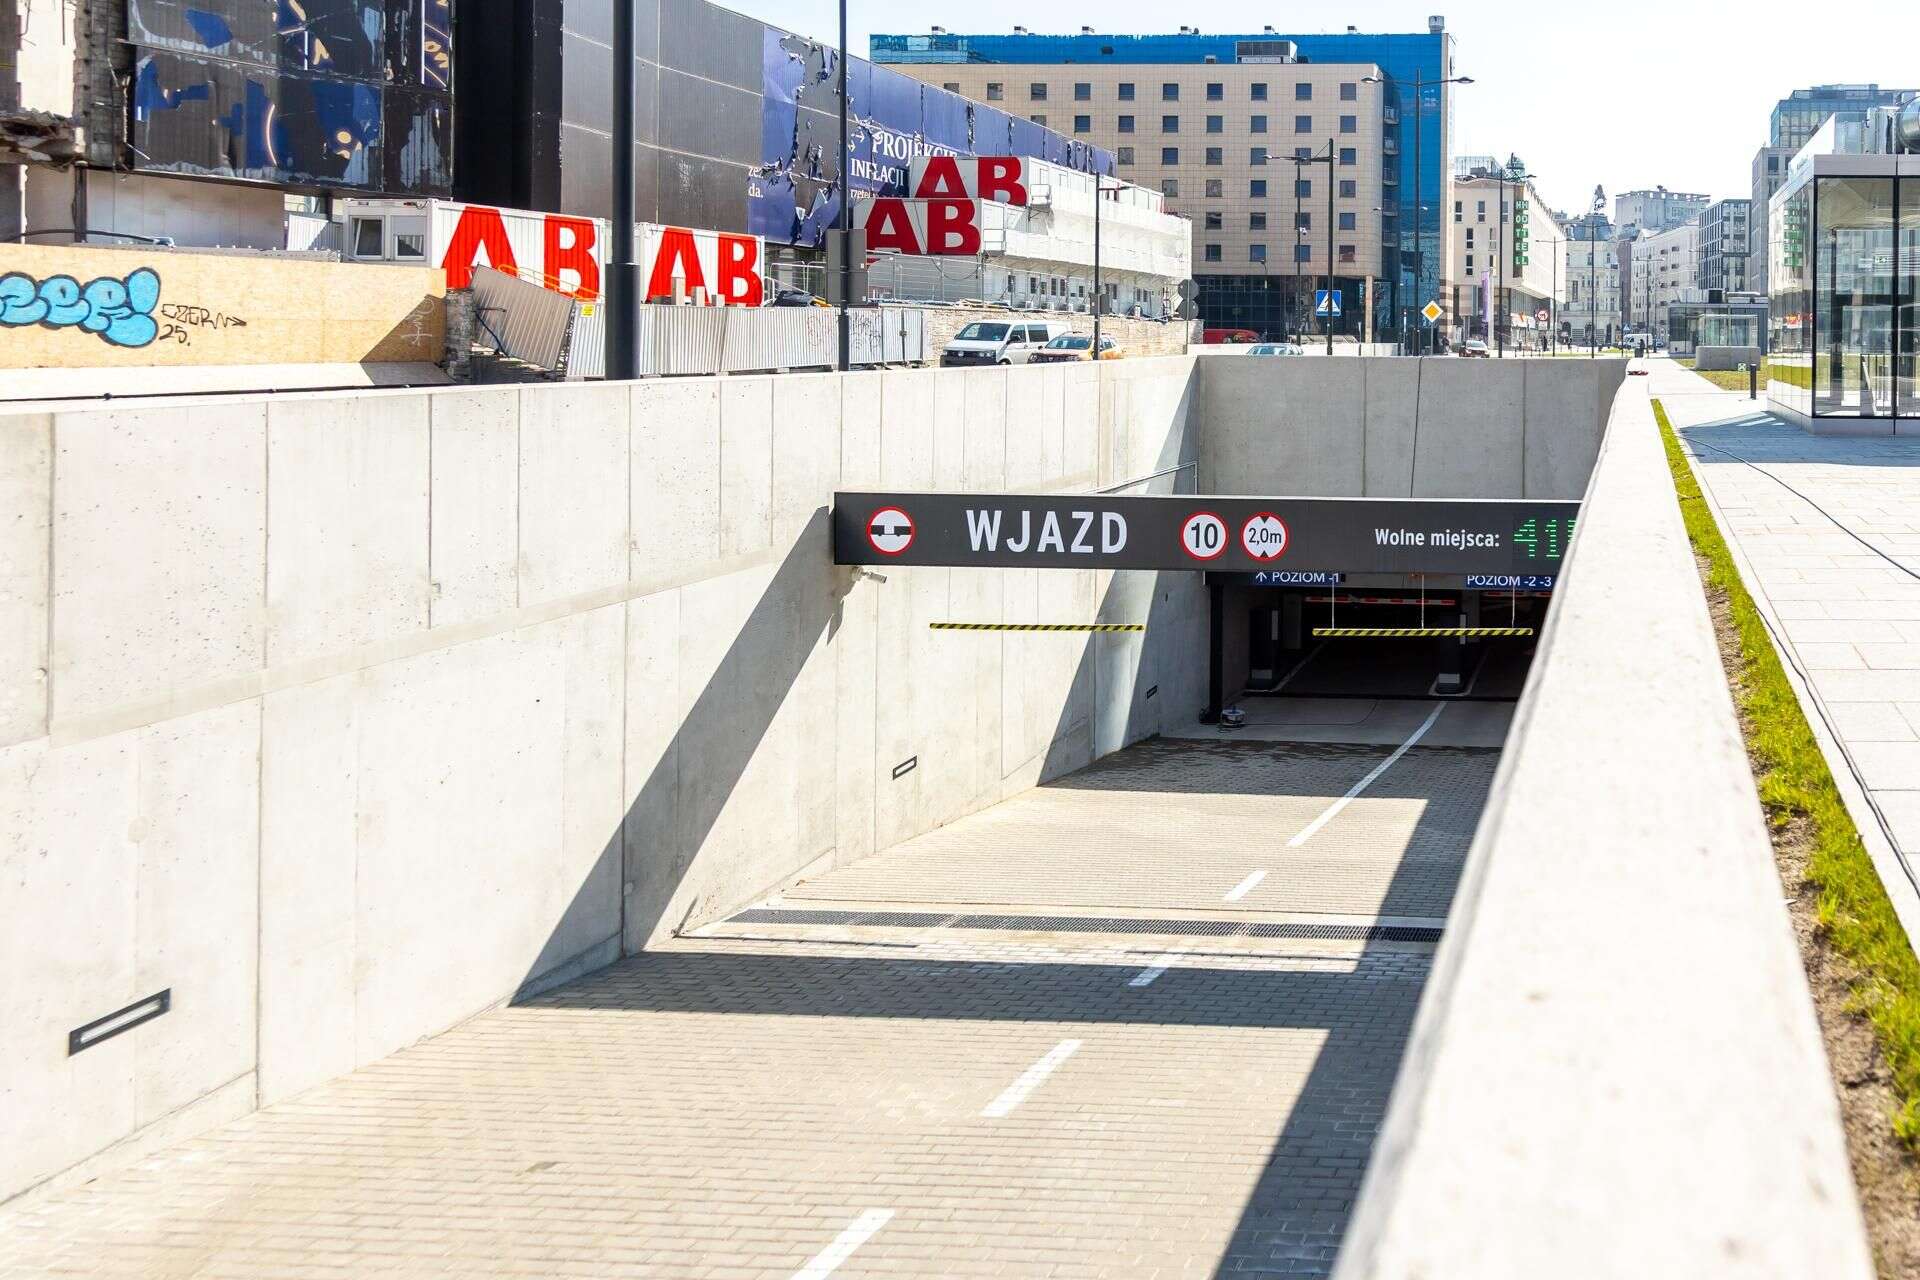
<point>1229,335</point>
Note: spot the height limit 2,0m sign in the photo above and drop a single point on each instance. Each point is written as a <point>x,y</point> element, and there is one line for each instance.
<point>1350,535</point>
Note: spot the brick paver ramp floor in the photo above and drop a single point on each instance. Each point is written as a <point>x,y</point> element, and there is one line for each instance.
<point>1175,1092</point>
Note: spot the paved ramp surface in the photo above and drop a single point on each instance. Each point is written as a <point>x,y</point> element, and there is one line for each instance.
<point>1129,1024</point>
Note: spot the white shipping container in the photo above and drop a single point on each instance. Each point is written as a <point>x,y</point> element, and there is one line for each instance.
<point>557,251</point>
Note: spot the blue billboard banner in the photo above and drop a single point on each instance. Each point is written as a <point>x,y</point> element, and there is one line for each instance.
<point>793,197</point>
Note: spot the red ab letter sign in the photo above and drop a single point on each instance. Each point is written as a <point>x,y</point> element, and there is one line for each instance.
<point>942,217</point>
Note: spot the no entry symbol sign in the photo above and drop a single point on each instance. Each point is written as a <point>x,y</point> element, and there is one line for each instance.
<point>1263,536</point>
<point>890,530</point>
<point>1204,535</point>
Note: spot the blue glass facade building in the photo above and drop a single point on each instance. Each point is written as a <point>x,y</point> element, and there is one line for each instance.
<point>1415,275</point>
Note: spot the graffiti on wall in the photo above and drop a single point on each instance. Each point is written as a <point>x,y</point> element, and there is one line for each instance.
<point>119,310</point>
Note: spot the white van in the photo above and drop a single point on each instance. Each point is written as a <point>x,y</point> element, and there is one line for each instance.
<point>999,342</point>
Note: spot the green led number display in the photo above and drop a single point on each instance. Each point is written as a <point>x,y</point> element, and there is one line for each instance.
<point>1544,539</point>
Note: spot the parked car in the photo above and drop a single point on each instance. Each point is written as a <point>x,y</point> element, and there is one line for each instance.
<point>999,342</point>
<point>1474,347</point>
<point>1076,346</point>
<point>1276,349</point>
<point>1228,335</point>
<point>787,297</point>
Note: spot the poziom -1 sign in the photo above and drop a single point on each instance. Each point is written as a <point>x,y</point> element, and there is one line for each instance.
<point>1233,535</point>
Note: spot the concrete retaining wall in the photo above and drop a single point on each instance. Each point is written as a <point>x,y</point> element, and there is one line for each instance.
<point>1136,337</point>
<point>1615,1070</point>
<point>344,717</point>
<point>1397,428</point>
<point>1725,358</point>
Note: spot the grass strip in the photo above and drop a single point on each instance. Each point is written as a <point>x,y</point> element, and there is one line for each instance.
<point>1725,379</point>
<point>1855,914</point>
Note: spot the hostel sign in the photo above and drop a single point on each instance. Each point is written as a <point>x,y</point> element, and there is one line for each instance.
<point>1233,535</point>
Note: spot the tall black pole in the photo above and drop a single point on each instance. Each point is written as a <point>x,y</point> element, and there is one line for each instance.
<point>845,220</point>
<point>1419,250</point>
<point>623,273</point>
<point>1593,290</point>
<point>1294,309</point>
<point>1329,246</point>
<point>1096,267</point>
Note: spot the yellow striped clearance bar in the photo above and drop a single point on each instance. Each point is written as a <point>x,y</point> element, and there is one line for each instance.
<point>1373,633</point>
<point>1037,626</point>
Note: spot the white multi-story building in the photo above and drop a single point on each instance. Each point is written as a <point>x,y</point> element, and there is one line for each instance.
<point>1666,269</point>
<point>1041,255</point>
<point>1590,276</point>
<point>1512,297</point>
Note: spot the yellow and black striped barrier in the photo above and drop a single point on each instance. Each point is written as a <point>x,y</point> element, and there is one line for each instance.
<point>1038,626</point>
<point>1374,633</point>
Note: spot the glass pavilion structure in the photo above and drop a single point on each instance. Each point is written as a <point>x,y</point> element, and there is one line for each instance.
<point>1843,284</point>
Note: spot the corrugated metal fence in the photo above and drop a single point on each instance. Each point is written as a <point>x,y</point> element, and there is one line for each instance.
<point>692,340</point>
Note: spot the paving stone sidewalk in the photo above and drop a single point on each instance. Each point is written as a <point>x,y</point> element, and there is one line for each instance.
<point>1830,527</point>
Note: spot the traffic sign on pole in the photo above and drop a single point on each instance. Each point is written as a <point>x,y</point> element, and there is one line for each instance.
<point>1322,306</point>
<point>1431,311</point>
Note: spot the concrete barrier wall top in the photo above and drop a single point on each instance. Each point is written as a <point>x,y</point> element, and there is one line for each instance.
<point>347,716</point>
<point>1616,1070</point>
<point>1391,427</point>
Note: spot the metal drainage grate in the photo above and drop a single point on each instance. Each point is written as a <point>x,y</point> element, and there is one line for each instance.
<point>1092,924</point>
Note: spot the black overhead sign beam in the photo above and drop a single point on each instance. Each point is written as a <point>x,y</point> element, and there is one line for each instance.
<point>1234,535</point>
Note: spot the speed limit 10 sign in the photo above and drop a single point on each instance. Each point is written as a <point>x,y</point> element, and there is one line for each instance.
<point>1204,535</point>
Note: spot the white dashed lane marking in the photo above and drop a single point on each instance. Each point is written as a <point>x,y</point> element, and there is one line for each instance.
<point>828,1260</point>
<point>1333,810</point>
<point>1030,1079</point>
<point>1245,887</point>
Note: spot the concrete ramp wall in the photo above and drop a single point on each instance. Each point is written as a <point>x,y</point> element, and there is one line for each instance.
<point>1401,428</point>
<point>343,717</point>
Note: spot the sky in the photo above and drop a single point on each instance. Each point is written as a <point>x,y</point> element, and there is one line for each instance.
<point>1675,93</point>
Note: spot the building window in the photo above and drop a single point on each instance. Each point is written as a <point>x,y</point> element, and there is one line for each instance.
<point>1349,91</point>
<point>1346,253</point>
<point>1483,211</point>
<point>1469,237</point>
<point>951,86</point>
<point>1349,124</point>
<point>995,91</point>
<point>1303,92</point>
<point>1303,153</point>
<point>1123,155</point>
<point>1257,156</point>
<point>1303,220</point>
<point>1257,189</point>
<point>1456,211</point>
<point>1303,187</point>
<point>1126,91</point>
<point>1215,92</point>
<point>1214,156</point>
<point>1212,253</point>
<point>1039,120</point>
<point>1256,222</point>
<point>1215,188</point>
<point>1036,92</point>
<point>1169,92</point>
<point>1349,156</point>
<point>1212,221</point>
<point>1259,91</point>
<point>1082,124</point>
<point>1169,124</point>
<point>1126,124</point>
<point>1346,222</point>
<point>1082,91</point>
<point>1170,186</point>
<point>1216,124</point>
<point>1256,253</point>
<point>1302,252</point>
<point>1348,188</point>
<point>1169,155</point>
<point>1257,124</point>
<point>1303,124</point>
<point>1773,164</point>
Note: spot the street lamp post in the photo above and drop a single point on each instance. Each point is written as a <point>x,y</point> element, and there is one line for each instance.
<point>1420,83</point>
<point>623,272</point>
<point>1298,163</point>
<point>845,220</point>
<point>1099,294</point>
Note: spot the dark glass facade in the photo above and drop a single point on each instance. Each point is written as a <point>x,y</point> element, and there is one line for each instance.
<point>1280,305</point>
<point>1844,278</point>
<point>350,95</point>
